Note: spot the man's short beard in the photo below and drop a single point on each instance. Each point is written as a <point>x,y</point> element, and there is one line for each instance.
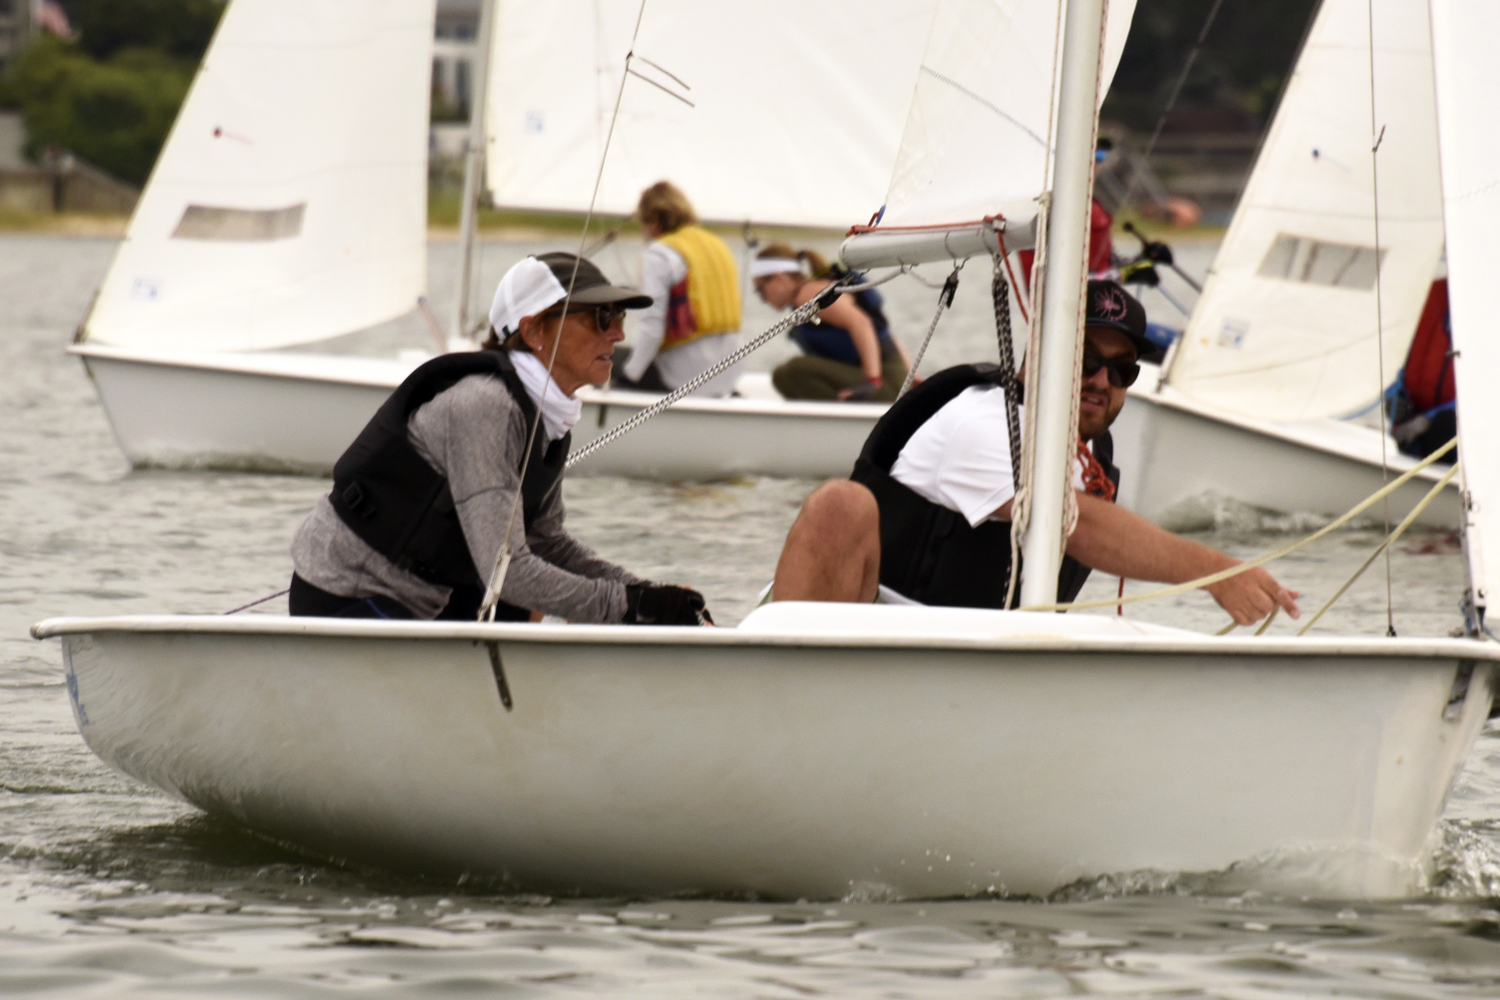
<point>1109,418</point>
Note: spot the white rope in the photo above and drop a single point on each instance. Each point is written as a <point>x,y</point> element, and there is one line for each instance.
<point>800,315</point>
<point>1025,464</point>
<point>1385,546</point>
<point>1021,504</point>
<point>1212,578</point>
<point>1070,497</point>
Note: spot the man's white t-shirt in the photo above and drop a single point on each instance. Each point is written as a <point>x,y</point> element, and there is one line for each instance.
<point>960,459</point>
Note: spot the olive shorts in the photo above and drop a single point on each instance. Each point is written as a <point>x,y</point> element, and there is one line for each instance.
<point>808,377</point>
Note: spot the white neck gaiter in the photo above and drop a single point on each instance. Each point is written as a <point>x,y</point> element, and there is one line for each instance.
<point>559,412</point>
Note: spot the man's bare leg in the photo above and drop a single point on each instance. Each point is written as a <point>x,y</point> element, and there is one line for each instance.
<point>832,552</point>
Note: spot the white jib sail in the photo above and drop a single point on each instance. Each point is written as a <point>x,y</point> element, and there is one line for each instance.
<point>797,107</point>
<point>1286,328</point>
<point>1464,37</point>
<point>976,134</point>
<point>975,139</point>
<point>289,203</point>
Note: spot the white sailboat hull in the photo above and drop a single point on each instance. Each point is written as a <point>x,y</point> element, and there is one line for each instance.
<point>918,752</point>
<point>298,412</point>
<point>1178,455</point>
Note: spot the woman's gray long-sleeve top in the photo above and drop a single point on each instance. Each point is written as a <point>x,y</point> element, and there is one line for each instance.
<point>474,434</point>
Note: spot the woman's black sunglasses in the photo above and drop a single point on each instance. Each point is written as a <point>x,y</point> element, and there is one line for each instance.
<point>605,316</point>
<point>1122,373</point>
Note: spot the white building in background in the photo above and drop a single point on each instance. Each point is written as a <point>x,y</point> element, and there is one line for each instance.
<point>454,52</point>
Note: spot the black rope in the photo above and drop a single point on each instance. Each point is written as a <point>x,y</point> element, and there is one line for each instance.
<point>1000,290</point>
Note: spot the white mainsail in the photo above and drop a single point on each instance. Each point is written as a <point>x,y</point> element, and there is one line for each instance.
<point>1286,327</point>
<point>975,140</point>
<point>1464,33</point>
<point>289,203</point>
<point>797,108</point>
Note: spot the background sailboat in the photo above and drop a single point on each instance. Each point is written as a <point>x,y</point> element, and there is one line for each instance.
<point>1287,337</point>
<point>288,206</point>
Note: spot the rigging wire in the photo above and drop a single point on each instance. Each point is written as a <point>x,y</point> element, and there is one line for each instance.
<point>1204,581</point>
<point>1385,469</point>
<point>1161,119</point>
<point>801,314</point>
<point>945,299</point>
<point>503,557</point>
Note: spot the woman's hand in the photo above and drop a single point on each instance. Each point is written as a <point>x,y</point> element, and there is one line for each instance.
<point>664,604</point>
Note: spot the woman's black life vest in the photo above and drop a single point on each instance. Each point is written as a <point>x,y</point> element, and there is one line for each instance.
<point>928,552</point>
<point>389,496</point>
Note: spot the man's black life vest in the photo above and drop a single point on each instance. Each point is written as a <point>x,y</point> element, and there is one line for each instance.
<point>928,552</point>
<point>389,496</point>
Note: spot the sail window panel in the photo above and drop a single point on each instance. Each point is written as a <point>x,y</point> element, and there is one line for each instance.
<point>1322,262</point>
<point>206,222</point>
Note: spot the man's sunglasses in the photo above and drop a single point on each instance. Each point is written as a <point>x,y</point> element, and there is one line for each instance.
<point>605,316</point>
<point>1122,373</point>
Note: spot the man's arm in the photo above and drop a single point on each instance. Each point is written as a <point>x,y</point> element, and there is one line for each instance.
<point>1111,539</point>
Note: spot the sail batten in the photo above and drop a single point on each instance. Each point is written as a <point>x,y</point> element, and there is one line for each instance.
<point>974,145</point>
<point>795,116</point>
<point>289,202</point>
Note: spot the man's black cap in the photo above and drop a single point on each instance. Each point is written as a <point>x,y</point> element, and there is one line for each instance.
<point>1110,305</point>
<point>590,286</point>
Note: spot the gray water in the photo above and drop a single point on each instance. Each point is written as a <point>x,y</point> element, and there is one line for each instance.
<point>111,889</point>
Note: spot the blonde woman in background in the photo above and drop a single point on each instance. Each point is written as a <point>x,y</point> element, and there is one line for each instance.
<point>694,320</point>
<point>849,354</point>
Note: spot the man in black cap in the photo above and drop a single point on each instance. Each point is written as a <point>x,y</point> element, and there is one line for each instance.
<point>471,446</point>
<point>926,512</point>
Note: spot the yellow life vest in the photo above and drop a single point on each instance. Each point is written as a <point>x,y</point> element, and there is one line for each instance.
<point>710,302</point>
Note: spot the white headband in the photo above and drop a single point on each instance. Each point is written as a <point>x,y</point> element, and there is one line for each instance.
<point>527,289</point>
<point>764,267</point>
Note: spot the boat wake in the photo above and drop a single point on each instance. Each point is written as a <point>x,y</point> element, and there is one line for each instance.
<point>1217,512</point>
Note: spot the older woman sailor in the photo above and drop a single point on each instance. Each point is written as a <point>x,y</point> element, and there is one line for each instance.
<point>849,353</point>
<point>694,320</point>
<point>423,498</point>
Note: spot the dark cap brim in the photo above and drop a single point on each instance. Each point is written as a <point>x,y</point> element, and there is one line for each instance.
<point>600,295</point>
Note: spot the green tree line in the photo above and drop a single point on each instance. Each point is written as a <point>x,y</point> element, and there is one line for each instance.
<point>1249,49</point>
<point>110,93</point>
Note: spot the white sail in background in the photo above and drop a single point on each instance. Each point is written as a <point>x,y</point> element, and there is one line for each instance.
<point>1464,37</point>
<point>975,139</point>
<point>1286,327</point>
<point>797,107</point>
<point>289,203</point>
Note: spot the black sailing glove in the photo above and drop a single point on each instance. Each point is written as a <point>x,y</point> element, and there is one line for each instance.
<point>664,604</point>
